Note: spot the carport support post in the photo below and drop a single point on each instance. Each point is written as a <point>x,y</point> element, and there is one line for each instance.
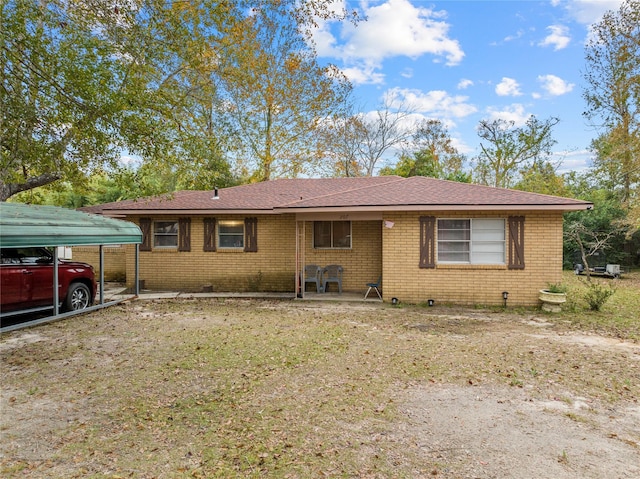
<point>101,274</point>
<point>56,306</point>
<point>137,268</point>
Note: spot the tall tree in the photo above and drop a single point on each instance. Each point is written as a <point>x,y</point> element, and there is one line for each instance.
<point>432,138</point>
<point>432,154</point>
<point>542,177</point>
<point>341,140</point>
<point>84,81</point>
<point>360,142</point>
<point>276,91</point>
<point>612,94</point>
<point>59,99</point>
<point>507,148</point>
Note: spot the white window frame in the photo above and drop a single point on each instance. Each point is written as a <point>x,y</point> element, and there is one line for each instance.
<point>486,238</point>
<point>332,246</point>
<point>221,233</point>
<point>157,234</point>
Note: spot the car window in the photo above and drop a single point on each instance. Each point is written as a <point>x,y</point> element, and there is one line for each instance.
<point>9,256</point>
<point>25,256</point>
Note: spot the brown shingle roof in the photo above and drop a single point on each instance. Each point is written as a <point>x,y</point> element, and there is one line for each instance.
<point>422,191</point>
<point>366,193</point>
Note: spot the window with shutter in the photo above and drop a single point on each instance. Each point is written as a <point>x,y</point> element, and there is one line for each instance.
<point>516,242</point>
<point>251,235</point>
<point>184,234</point>
<point>209,234</point>
<point>471,241</point>
<point>427,242</point>
<point>145,228</point>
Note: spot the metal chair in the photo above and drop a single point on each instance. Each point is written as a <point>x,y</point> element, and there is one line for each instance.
<point>313,274</point>
<point>332,274</point>
<point>374,286</point>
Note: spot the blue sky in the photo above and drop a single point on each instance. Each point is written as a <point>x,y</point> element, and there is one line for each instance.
<point>463,61</point>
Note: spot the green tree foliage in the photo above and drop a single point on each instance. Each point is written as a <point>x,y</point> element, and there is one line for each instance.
<point>185,86</point>
<point>542,177</point>
<point>84,81</point>
<point>507,149</point>
<point>62,96</point>
<point>276,92</point>
<point>434,155</point>
<point>612,95</point>
<point>596,235</point>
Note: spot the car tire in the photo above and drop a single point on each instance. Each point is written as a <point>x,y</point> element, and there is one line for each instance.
<point>78,297</point>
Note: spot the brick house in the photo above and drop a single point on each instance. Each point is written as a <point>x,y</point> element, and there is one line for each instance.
<point>427,238</point>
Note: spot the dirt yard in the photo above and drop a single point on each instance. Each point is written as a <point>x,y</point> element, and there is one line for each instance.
<point>291,389</point>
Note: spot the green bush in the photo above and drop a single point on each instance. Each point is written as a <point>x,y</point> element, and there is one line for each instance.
<point>556,288</point>
<point>597,294</point>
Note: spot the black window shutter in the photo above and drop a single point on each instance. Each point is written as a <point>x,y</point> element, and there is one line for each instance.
<point>209,234</point>
<point>184,234</point>
<point>427,242</point>
<point>516,242</point>
<point>251,235</point>
<point>145,227</point>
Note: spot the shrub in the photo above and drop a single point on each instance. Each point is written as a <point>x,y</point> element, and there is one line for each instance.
<point>597,294</point>
<point>556,288</point>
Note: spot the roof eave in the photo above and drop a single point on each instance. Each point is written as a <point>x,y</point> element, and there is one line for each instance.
<point>175,212</point>
<point>454,207</point>
<point>361,208</point>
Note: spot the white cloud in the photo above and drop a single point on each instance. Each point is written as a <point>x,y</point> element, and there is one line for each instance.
<point>589,11</point>
<point>407,73</point>
<point>575,160</point>
<point>393,28</point>
<point>555,86</point>
<point>514,112</point>
<point>464,84</point>
<point>558,38</point>
<point>363,75</point>
<point>437,103</point>
<point>508,87</point>
<point>510,38</point>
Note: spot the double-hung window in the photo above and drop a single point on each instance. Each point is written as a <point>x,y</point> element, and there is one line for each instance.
<point>332,234</point>
<point>472,241</point>
<point>230,234</point>
<point>165,234</point>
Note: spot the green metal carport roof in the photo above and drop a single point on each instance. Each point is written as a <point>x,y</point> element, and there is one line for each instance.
<point>26,225</point>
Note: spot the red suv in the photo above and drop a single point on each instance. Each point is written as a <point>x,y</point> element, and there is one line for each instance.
<point>26,276</point>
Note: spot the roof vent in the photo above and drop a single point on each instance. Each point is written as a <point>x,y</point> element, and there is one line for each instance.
<point>215,194</point>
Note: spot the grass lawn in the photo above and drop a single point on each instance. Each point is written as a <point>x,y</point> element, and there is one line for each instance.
<point>292,389</point>
<point>620,315</point>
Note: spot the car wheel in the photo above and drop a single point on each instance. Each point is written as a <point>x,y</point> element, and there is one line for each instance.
<point>78,297</point>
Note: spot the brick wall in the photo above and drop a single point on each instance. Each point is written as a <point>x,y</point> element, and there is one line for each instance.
<point>362,263</point>
<point>471,284</point>
<point>272,268</point>
<point>115,260</point>
<point>393,251</point>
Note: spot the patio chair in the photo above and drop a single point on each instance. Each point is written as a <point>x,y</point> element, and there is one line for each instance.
<point>332,274</point>
<point>313,274</point>
<point>375,286</point>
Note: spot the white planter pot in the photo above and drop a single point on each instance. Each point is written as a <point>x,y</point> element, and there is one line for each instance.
<point>551,301</point>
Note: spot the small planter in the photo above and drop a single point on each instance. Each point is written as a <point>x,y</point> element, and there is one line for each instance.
<point>551,301</point>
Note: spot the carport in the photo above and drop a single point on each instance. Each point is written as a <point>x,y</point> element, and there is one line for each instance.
<point>49,226</point>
